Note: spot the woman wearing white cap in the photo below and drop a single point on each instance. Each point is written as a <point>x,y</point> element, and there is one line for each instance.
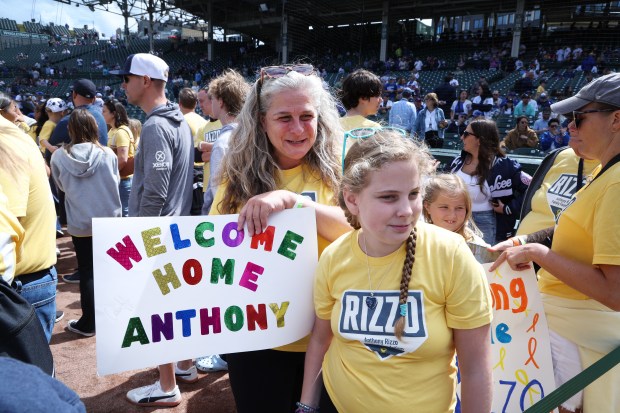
<point>580,274</point>
<point>55,108</point>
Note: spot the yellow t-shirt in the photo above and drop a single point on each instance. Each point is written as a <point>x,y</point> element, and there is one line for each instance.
<point>357,121</point>
<point>30,200</point>
<point>23,126</point>
<point>45,133</point>
<point>11,237</point>
<point>122,137</point>
<point>300,181</point>
<point>32,134</point>
<point>366,368</point>
<point>195,122</point>
<point>208,133</point>
<point>555,192</point>
<point>588,230</point>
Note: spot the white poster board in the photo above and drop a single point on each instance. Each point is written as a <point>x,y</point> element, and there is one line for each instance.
<point>174,288</point>
<point>522,367</point>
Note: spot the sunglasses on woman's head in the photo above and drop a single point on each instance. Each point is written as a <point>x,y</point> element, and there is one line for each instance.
<point>578,117</point>
<point>363,133</point>
<point>274,72</point>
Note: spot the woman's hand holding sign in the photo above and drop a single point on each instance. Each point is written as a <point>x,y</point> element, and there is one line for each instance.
<point>519,257</point>
<point>256,211</point>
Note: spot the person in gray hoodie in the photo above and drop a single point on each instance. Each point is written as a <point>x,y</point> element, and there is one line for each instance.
<point>87,173</point>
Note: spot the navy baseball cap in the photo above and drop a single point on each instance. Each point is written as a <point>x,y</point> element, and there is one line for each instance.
<point>84,87</point>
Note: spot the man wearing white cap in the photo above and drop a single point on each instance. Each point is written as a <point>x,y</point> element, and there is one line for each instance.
<point>162,182</point>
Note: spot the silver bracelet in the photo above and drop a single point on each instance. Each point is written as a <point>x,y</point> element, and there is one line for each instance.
<point>304,408</point>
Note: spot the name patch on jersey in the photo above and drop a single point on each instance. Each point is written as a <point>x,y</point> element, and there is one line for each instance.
<point>374,327</point>
<point>501,187</point>
<point>560,193</point>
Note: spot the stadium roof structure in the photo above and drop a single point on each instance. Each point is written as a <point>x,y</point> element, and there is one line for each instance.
<point>262,18</point>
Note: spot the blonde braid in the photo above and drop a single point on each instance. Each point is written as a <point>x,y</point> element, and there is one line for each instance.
<point>399,327</point>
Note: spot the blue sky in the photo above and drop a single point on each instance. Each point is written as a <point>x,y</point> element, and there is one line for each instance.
<point>59,13</point>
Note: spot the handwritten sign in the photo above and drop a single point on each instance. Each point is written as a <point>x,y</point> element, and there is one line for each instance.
<point>174,288</point>
<point>522,367</point>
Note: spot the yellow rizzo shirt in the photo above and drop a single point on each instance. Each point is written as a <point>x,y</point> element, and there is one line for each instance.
<point>208,133</point>
<point>11,237</point>
<point>300,181</point>
<point>588,230</point>
<point>357,121</point>
<point>30,200</point>
<point>368,369</point>
<point>195,122</point>
<point>45,133</point>
<point>555,193</point>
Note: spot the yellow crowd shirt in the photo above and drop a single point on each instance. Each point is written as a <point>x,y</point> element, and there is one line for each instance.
<point>556,191</point>
<point>208,133</point>
<point>30,200</point>
<point>11,237</point>
<point>45,133</point>
<point>588,230</point>
<point>366,368</point>
<point>23,126</point>
<point>195,122</point>
<point>299,180</point>
<point>122,137</point>
<point>357,121</point>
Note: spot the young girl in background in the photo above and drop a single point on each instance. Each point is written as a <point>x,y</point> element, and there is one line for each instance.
<point>447,204</point>
<point>136,129</point>
<point>395,298</point>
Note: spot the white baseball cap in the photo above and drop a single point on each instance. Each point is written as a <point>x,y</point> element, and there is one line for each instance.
<point>56,105</point>
<point>144,64</point>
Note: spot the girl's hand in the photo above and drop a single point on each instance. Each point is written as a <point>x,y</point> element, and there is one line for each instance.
<point>255,212</point>
<point>502,246</point>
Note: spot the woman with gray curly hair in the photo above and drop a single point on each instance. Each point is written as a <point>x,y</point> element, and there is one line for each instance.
<point>283,154</point>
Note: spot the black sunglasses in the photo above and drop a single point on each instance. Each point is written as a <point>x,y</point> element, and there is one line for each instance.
<point>466,134</point>
<point>126,78</point>
<point>578,116</point>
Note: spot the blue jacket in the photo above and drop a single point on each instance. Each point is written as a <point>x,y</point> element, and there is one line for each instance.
<point>421,124</point>
<point>403,115</point>
<point>508,183</point>
<point>547,141</point>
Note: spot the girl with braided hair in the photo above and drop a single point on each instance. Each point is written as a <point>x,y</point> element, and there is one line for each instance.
<point>396,298</point>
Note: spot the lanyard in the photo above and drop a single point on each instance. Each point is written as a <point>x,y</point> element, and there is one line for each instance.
<point>579,175</point>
